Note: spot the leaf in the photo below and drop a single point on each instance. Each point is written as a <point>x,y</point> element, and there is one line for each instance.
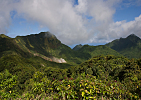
<point>87,91</point>
<point>68,96</point>
<point>94,87</point>
<point>83,93</point>
<point>111,86</point>
<point>104,92</point>
<point>72,95</point>
<point>91,97</point>
<point>58,89</point>
<point>90,91</point>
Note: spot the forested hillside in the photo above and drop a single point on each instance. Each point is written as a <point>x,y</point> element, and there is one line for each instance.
<point>8,47</point>
<point>97,50</point>
<point>29,70</point>
<point>45,45</point>
<point>102,77</point>
<point>129,47</point>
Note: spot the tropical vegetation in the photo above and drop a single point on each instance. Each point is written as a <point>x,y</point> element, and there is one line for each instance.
<point>90,72</point>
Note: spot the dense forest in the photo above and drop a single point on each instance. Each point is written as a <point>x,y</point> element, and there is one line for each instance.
<point>101,77</point>
<point>91,72</point>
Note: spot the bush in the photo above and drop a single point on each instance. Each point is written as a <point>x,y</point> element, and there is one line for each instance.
<point>8,84</point>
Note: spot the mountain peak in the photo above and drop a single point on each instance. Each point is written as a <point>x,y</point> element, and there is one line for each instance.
<point>132,35</point>
<point>3,36</point>
<point>41,35</point>
<point>77,47</point>
<point>133,38</point>
<point>47,35</point>
<point>129,46</point>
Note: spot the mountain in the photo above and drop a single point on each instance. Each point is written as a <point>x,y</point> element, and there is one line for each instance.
<point>97,50</point>
<point>43,45</point>
<point>9,46</point>
<point>38,43</point>
<point>129,47</point>
<point>77,47</point>
<point>40,66</point>
<point>46,46</point>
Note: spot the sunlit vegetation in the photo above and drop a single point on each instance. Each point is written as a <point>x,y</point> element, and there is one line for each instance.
<point>102,77</point>
<point>91,72</point>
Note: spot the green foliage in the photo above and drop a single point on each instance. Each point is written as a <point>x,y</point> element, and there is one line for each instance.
<point>107,77</point>
<point>55,73</point>
<point>40,85</point>
<point>8,85</point>
<point>112,68</point>
<point>83,87</point>
<point>98,50</point>
<point>92,88</point>
<point>8,46</point>
<point>25,72</point>
<point>44,63</point>
<point>89,71</point>
<point>100,66</point>
<point>18,66</point>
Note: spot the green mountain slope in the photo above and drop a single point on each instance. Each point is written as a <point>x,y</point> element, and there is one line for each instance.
<point>42,43</point>
<point>45,45</point>
<point>129,47</point>
<point>19,52</point>
<point>77,47</point>
<point>9,46</point>
<point>28,70</point>
<point>97,50</point>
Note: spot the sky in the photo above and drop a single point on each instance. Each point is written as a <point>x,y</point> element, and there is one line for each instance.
<point>94,22</point>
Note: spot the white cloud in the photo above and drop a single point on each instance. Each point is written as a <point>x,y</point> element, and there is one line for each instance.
<point>60,16</point>
<point>101,10</point>
<point>82,6</point>
<point>5,18</point>
<point>70,22</point>
<point>123,29</point>
<point>131,27</point>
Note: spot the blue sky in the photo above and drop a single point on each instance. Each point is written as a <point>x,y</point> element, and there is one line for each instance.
<point>93,22</point>
<point>127,13</point>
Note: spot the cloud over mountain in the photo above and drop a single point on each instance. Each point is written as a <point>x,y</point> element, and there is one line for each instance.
<point>88,21</point>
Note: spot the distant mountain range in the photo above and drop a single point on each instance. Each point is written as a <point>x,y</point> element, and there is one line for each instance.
<point>129,47</point>
<point>46,46</point>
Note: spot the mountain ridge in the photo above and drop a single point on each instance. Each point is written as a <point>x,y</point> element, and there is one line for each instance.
<point>47,46</point>
<point>26,64</point>
<point>129,47</point>
<point>77,47</point>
